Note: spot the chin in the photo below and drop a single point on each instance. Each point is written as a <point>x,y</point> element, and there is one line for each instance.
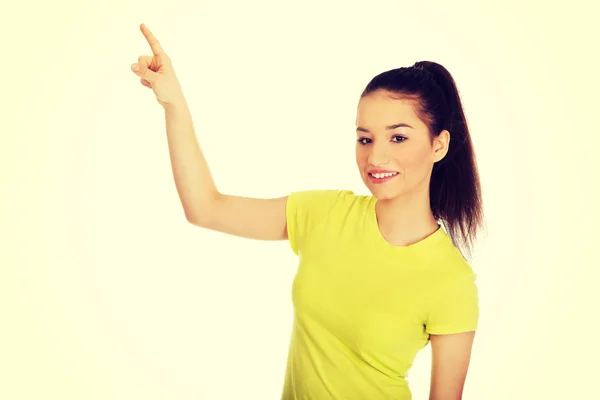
<point>383,193</point>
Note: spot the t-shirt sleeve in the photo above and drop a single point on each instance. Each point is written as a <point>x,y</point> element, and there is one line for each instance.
<point>456,309</point>
<point>305,210</point>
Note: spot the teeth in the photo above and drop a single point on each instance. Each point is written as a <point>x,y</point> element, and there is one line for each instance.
<point>386,175</point>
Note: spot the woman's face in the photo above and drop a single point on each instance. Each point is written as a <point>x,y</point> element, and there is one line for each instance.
<point>394,151</point>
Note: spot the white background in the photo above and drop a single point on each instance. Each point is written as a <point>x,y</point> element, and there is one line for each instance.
<point>106,292</point>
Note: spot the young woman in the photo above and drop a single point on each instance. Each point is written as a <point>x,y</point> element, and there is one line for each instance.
<point>378,277</point>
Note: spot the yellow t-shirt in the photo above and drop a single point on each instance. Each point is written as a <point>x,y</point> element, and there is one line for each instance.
<point>364,308</point>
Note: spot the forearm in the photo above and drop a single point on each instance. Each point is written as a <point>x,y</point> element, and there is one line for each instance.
<point>193,180</point>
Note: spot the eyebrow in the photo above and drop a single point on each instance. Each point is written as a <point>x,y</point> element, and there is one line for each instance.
<point>389,128</point>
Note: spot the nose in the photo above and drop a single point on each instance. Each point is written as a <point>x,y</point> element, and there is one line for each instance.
<point>378,156</point>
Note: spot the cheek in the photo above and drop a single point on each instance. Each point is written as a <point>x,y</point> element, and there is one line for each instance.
<point>416,163</point>
<point>412,160</point>
<point>361,157</point>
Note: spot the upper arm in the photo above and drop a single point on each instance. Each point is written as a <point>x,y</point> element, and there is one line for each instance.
<point>451,355</point>
<point>261,219</point>
<point>452,321</point>
<point>290,217</point>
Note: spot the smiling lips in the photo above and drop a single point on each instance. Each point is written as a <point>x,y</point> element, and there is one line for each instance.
<point>381,176</point>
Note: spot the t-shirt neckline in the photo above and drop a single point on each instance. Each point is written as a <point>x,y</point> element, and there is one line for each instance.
<point>376,232</point>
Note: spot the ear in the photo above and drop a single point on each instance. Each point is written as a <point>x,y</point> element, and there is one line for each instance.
<point>440,145</point>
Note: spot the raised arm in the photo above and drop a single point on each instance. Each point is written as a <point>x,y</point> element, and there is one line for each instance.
<point>203,204</point>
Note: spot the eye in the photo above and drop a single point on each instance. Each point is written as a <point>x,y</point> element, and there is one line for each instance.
<point>364,140</point>
<point>398,138</point>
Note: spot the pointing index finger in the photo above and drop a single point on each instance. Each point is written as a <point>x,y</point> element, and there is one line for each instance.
<point>154,45</point>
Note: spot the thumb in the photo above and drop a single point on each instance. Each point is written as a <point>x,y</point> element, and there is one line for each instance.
<point>144,72</point>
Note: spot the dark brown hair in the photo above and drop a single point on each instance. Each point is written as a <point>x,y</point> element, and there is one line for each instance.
<point>454,189</point>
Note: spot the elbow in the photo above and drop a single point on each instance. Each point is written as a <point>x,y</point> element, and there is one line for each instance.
<point>197,219</point>
<point>200,214</point>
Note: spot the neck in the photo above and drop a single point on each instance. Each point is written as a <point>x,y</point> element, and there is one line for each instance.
<point>406,219</point>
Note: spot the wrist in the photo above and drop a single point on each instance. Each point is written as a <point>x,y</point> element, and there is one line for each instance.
<point>175,104</point>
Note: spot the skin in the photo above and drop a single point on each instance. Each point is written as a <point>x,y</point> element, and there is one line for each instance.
<point>450,358</point>
<point>403,209</point>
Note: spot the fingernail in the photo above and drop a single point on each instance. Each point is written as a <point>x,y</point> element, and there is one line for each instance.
<point>135,67</point>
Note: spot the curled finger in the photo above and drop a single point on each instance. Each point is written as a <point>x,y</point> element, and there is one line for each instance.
<point>146,83</point>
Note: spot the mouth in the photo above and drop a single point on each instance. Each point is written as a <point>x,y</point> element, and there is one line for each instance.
<point>381,177</point>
